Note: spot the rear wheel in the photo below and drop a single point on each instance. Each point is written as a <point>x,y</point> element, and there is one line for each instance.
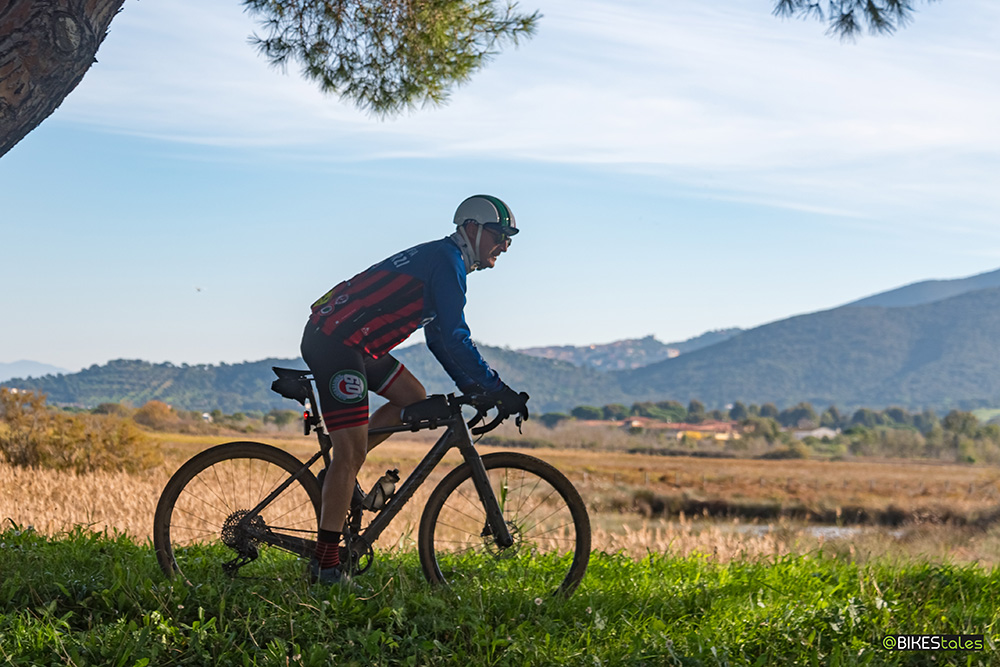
<point>203,518</point>
<point>544,513</point>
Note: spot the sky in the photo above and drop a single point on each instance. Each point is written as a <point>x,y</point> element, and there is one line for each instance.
<point>675,167</point>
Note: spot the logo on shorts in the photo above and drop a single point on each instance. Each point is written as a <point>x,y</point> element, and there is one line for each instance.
<point>349,386</point>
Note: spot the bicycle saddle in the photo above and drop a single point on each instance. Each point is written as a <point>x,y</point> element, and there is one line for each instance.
<point>292,383</point>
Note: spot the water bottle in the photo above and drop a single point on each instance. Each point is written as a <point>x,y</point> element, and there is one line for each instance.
<point>382,491</point>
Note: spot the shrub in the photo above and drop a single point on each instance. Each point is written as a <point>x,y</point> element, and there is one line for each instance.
<point>100,442</point>
<point>25,420</point>
<point>668,411</point>
<point>795,450</point>
<point>587,412</point>
<point>552,419</point>
<point>156,415</point>
<point>33,436</point>
<point>904,442</point>
<point>763,427</point>
<point>116,409</point>
<point>614,412</point>
<point>282,417</point>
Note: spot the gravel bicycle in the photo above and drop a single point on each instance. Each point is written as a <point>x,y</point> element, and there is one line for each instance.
<point>503,518</point>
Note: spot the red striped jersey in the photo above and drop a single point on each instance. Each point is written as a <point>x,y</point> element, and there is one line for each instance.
<point>379,308</point>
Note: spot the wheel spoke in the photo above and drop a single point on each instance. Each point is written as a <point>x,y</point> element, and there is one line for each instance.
<point>544,514</point>
<point>208,500</point>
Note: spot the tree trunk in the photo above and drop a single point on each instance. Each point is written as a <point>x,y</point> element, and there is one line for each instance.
<point>46,46</point>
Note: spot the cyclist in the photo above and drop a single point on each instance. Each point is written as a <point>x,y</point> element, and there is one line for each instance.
<point>353,327</point>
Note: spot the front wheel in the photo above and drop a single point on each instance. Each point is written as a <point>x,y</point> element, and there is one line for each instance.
<point>544,513</point>
<point>205,519</point>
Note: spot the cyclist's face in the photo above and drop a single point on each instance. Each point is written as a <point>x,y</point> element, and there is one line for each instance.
<point>491,244</point>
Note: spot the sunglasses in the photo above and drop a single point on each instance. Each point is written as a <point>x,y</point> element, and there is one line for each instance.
<point>502,236</point>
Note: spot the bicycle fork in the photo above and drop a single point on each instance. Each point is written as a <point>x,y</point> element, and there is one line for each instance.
<point>496,526</point>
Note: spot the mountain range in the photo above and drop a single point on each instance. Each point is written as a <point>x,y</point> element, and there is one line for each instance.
<point>941,354</point>
<point>929,291</point>
<point>631,353</point>
<point>930,344</point>
<point>27,369</point>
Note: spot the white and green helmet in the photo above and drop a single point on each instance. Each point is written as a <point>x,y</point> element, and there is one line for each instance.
<point>487,210</point>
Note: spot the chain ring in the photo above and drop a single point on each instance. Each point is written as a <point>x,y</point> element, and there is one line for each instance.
<point>359,553</point>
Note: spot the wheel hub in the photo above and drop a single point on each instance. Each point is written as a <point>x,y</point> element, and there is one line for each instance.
<point>491,546</point>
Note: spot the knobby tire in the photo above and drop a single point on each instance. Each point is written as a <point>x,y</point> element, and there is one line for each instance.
<point>543,510</point>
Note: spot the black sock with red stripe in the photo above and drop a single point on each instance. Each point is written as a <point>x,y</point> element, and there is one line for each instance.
<point>328,549</point>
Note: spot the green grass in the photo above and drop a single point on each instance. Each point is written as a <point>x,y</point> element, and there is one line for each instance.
<point>94,599</point>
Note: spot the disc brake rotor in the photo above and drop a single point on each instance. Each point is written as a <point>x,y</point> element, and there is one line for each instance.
<point>502,552</point>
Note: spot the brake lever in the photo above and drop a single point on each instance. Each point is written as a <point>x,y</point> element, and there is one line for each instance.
<point>522,415</point>
<point>486,428</point>
<point>479,416</point>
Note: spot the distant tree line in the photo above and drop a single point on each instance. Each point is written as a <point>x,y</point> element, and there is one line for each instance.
<point>893,431</point>
<point>159,416</point>
<point>232,388</point>
<point>667,411</point>
<point>801,416</point>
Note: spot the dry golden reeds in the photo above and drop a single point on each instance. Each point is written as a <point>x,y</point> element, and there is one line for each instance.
<point>56,501</point>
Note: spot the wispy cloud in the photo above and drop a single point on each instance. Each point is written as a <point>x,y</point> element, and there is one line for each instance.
<point>699,92</point>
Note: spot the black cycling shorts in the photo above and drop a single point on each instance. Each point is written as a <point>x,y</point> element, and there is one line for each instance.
<point>344,376</point>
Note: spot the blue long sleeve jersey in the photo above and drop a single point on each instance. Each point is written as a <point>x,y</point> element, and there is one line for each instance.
<point>424,286</point>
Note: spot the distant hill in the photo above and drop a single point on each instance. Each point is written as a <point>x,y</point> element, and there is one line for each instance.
<point>554,386</point>
<point>622,354</point>
<point>245,387</point>
<point>24,369</point>
<point>705,340</point>
<point>929,291</point>
<point>940,354</point>
<point>626,354</point>
<point>228,387</point>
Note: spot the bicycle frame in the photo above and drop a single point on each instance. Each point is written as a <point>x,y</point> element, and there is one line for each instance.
<point>457,435</point>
